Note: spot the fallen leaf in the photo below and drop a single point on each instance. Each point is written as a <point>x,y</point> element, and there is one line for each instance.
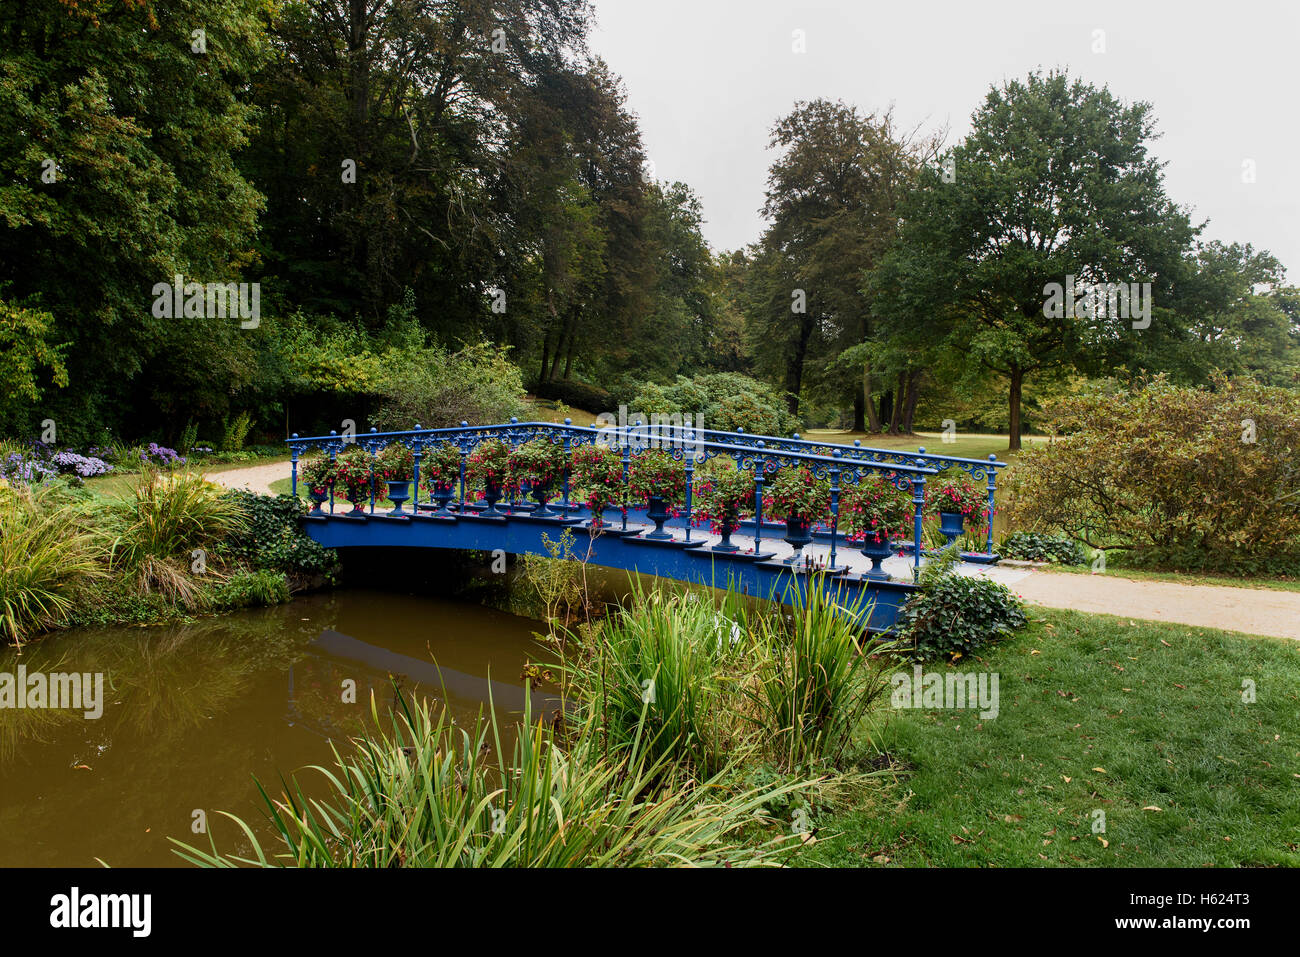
<point>1151,807</point>
<point>1100,770</point>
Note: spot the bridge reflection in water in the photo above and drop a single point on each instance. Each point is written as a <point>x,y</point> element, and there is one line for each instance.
<point>761,563</point>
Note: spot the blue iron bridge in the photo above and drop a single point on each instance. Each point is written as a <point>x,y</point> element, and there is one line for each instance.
<point>755,559</point>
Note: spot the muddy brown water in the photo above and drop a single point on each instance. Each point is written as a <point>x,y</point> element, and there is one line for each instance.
<point>192,713</point>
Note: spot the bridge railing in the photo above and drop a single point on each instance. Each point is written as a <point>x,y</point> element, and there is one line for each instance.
<point>760,455</point>
<point>977,469</point>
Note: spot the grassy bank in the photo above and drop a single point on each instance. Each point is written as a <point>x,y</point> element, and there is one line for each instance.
<point>1142,721</point>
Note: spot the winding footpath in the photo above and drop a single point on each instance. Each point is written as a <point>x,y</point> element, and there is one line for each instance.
<point>1254,611</point>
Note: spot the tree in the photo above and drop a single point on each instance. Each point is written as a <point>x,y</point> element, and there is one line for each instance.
<point>1054,181</point>
<point>832,197</point>
<point>117,172</point>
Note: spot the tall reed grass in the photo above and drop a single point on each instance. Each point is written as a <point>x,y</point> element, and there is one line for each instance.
<point>427,794</point>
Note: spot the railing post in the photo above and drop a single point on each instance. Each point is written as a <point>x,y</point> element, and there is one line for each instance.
<point>464,453</point>
<point>689,456</point>
<point>760,467</point>
<point>993,485</point>
<point>293,458</point>
<point>567,466</point>
<point>918,501</point>
<point>415,474</point>
<point>374,456</point>
<point>627,462</point>
<point>835,506</point>
<point>334,457</point>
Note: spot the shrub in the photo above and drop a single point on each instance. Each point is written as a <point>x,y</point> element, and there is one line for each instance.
<point>1042,547</point>
<point>234,433</point>
<point>655,472</point>
<point>725,401</point>
<point>955,615</point>
<point>272,538</point>
<point>875,508</point>
<point>1162,468</point>
<point>437,389</point>
<point>795,493</point>
<point>155,454</point>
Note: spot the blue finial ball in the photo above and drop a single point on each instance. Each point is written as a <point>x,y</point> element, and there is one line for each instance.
<point>417,426</point>
<point>762,444</point>
<point>857,443</point>
<point>568,422</point>
<point>464,425</point>
<point>332,432</point>
<point>992,457</point>
<point>295,435</point>
<point>373,429</point>
<point>638,421</point>
<point>837,453</point>
<point>794,435</point>
<point>740,428</point>
<point>514,420</point>
<point>920,449</point>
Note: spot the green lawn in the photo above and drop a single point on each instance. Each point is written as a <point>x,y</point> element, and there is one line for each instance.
<point>1182,578</point>
<point>115,485</point>
<point>1096,714</point>
<point>962,446</point>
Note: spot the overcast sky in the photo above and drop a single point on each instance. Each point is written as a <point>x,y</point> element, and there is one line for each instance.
<point>708,77</point>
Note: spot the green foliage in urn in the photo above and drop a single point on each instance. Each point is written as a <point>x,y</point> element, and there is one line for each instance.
<point>318,473</point>
<point>489,464</point>
<point>440,467</point>
<point>538,462</point>
<point>396,463</point>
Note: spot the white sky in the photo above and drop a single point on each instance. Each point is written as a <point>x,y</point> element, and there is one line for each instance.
<point>708,77</point>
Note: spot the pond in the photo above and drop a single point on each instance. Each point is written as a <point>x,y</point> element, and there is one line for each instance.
<point>192,713</point>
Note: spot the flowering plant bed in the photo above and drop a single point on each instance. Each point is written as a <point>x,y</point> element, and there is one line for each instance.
<point>539,463</point>
<point>955,493</point>
<point>656,474</point>
<point>598,478</point>
<point>797,495</point>
<point>875,508</point>
<point>723,499</point>
<point>440,468</point>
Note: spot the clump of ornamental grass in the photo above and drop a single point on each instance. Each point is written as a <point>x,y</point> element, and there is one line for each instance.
<point>47,551</point>
<point>423,792</point>
<point>170,517</point>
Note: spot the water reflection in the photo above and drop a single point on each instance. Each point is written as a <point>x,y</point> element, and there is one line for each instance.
<point>192,713</point>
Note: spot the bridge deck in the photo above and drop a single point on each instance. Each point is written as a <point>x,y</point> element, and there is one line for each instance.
<point>766,573</point>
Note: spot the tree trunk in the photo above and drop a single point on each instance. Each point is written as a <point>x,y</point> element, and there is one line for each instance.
<point>794,367</point>
<point>913,394</point>
<point>886,409</point>
<point>868,387</point>
<point>896,413</point>
<point>1017,384</point>
<point>859,412</point>
<point>568,355</point>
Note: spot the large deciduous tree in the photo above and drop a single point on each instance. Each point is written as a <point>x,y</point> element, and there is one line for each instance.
<point>1055,180</point>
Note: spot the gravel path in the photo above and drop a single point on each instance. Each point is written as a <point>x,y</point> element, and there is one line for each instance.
<point>1255,611</point>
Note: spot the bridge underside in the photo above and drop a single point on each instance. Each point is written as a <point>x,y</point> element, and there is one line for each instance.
<point>762,573</point>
